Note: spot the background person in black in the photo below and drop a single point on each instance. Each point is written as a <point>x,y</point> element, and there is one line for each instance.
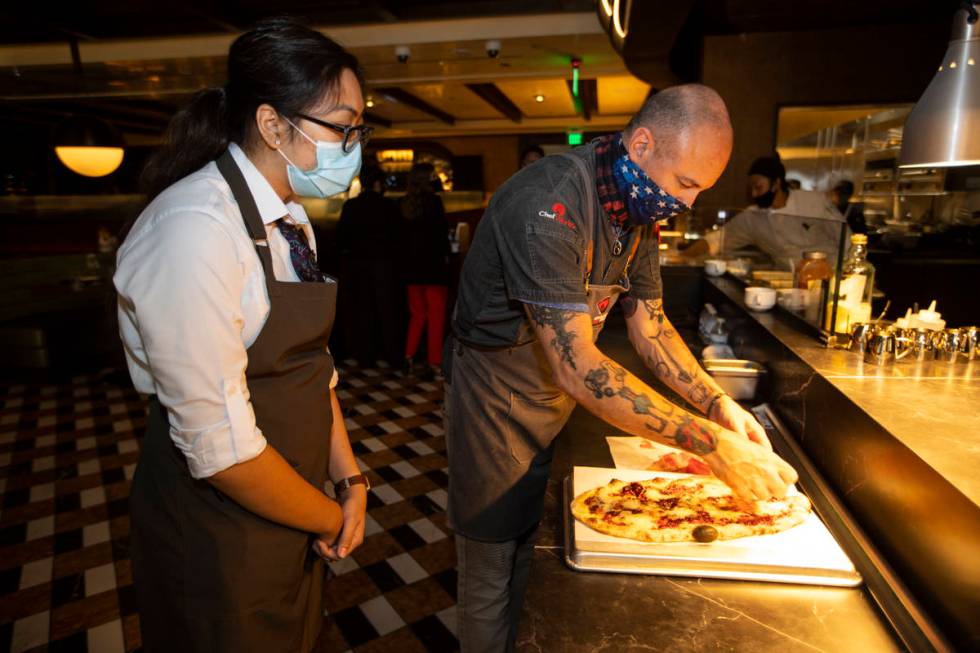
<point>530,155</point>
<point>369,237</point>
<point>426,265</point>
<point>559,242</point>
<point>853,212</point>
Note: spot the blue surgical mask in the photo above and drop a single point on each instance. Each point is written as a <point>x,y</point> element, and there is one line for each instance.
<point>333,173</point>
<point>647,202</point>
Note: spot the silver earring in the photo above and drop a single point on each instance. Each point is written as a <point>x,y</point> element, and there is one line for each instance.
<point>277,141</point>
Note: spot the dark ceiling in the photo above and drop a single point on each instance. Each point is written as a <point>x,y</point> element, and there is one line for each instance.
<point>26,22</point>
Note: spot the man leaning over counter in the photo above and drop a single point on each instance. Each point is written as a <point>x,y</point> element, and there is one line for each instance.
<point>782,222</point>
<point>559,243</point>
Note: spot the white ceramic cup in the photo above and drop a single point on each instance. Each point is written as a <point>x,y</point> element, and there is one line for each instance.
<point>714,267</point>
<point>759,298</point>
<point>793,299</point>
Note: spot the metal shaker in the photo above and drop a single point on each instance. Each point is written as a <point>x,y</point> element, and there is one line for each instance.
<point>969,345</point>
<point>946,345</point>
<point>882,348</point>
<point>919,343</point>
<point>861,336</point>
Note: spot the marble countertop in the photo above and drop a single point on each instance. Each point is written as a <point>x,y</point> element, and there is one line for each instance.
<point>571,611</point>
<point>931,407</point>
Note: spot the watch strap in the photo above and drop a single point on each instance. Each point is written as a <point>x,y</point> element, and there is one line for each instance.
<point>356,479</point>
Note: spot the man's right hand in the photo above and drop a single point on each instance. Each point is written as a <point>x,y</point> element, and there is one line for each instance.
<point>752,471</point>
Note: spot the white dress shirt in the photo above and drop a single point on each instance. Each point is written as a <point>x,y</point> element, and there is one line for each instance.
<point>783,233</point>
<point>192,299</point>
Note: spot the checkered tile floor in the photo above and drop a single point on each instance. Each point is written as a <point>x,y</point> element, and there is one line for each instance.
<point>67,455</point>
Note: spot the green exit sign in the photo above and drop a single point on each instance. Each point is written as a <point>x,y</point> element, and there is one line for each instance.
<point>574,138</point>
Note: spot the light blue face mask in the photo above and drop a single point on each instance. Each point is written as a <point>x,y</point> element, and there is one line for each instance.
<point>333,173</point>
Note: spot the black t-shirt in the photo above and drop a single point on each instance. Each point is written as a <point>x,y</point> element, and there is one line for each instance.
<point>531,247</point>
<point>426,244</point>
<point>370,227</point>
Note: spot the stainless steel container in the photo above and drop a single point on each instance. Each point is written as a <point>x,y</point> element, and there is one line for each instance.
<point>919,342</point>
<point>887,346</point>
<point>861,336</point>
<point>970,342</point>
<point>739,378</point>
<point>946,344</point>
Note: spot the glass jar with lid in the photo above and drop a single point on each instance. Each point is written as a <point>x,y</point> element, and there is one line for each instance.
<point>812,270</point>
<point>813,275</point>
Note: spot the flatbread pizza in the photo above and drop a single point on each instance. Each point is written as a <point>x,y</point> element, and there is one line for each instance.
<point>682,510</point>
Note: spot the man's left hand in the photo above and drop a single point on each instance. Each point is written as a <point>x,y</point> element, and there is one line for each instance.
<point>729,414</point>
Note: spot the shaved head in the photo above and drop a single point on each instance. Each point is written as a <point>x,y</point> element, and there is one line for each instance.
<point>677,112</point>
<point>682,138</point>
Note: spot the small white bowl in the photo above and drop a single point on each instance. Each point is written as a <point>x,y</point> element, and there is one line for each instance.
<point>714,267</point>
<point>759,298</point>
<point>717,352</point>
<point>792,299</point>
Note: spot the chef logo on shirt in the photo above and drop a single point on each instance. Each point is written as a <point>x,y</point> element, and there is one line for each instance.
<point>557,213</point>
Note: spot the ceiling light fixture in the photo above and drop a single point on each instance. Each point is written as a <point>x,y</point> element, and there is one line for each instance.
<point>620,21</point>
<point>943,129</point>
<point>88,146</point>
<point>576,63</point>
<point>369,103</point>
<point>539,98</point>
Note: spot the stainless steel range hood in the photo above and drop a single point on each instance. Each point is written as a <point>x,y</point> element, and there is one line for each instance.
<point>943,129</point>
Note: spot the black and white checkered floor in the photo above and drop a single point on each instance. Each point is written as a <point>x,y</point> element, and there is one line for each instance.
<point>67,455</point>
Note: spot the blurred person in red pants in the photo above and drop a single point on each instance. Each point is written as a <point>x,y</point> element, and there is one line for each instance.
<point>427,267</point>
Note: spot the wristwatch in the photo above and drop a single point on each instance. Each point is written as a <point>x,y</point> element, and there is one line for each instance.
<point>356,479</point>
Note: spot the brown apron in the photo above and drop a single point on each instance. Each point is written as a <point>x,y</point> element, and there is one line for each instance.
<point>502,409</point>
<point>211,576</point>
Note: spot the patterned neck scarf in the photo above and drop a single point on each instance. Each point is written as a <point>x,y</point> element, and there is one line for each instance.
<point>627,194</point>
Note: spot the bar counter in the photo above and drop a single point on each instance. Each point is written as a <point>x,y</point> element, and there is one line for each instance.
<point>892,446</point>
<point>571,611</point>
<point>925,405</point>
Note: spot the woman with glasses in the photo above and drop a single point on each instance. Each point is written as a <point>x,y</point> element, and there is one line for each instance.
<point>225,316</point>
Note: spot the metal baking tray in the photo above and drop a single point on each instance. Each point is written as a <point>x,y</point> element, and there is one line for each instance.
<point>806,554</point>
<point>739,378</point>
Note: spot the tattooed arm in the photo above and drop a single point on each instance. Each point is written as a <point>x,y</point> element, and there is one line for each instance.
<point>665,353</point>
<point>611,392</point>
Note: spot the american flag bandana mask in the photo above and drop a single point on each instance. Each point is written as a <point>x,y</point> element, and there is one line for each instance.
<point>647,202</point>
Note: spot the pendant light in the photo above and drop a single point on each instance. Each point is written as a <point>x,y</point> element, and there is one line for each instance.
<point>88,146</point>
<point>943,129</point>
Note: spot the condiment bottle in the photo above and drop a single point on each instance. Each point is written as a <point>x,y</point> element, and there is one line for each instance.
<point>930,318</point>
<point>813,275</point>
<point>856,286</point>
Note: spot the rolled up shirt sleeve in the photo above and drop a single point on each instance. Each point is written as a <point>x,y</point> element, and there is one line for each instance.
<point>181,286</point>
<point>542,253</point>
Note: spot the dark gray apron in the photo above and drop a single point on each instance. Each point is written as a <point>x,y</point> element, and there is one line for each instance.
<point>211,576</point>
<point>502,409</point>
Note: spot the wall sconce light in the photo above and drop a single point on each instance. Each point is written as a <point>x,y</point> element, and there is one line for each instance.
<point>88,146</point>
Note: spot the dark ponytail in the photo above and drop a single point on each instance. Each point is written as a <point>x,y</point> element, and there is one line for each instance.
<point>279,62</point>
<point>198,133</point>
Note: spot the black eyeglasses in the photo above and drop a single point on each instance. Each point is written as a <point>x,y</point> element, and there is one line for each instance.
<point>353,134</point>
